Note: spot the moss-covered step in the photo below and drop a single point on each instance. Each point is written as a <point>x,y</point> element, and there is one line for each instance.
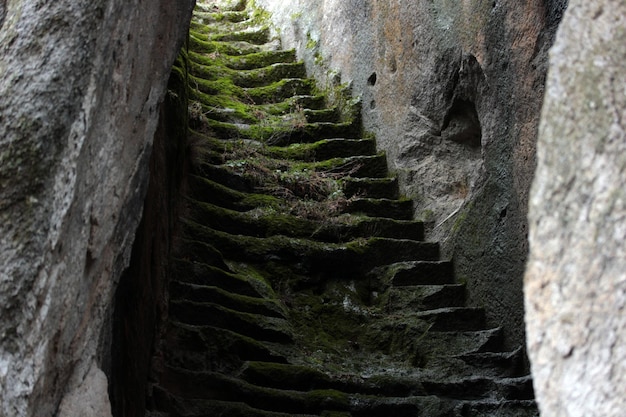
<point>489,364</point>
<point>196,386</point>
<point>175,406</point>
<point>417,273</point>
<point>324,149</point>
<point>200,273</point>
<point>203,18</point>
<point>256,35</point>
<point>257,77</point>
<point>200,45</point>
<point>183,291</point>
<point>202,347</point>
<point>237,61</point>
<point>264,223</point>
<point>257,326</point>
<point>371,187</point>
<point>401,209</point>
<point>354,258</point>
<point>498,408</point>
<point>212,192</point>
<point>424,297</point>
<point>478,387</point>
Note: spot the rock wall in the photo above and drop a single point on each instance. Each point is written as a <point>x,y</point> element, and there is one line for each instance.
<point>453,92</point>
<point>576,279</point>
<point>81,84</point>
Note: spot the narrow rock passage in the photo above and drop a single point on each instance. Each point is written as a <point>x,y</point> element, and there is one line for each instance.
<point>301,285</point>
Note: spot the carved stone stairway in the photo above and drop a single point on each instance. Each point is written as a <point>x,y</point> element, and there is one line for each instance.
<point>301,286</point>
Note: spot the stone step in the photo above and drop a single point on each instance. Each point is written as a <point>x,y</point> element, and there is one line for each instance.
<point>202,388</point>
<point>204,391</point>
<point>258,77</point>
<point>200,45</point>
<point>330,115</point>
<point>417,273</point>
<point>257,326</point>
<point>274,92</point>
<point>176,406</point>
<point>371,188</point>
<point>253,35</point>
<point>199,273</point>
<point>200,347</point>
<point>478,387</point>
<point>381,207</point>
<point>324,149</point>
<point>453,318</point>
<point>424,297</point>
<point>361,166</point>
<point>497,408</point>
<point>494,365</point>
<point>354,258</point>
<point>183,291</point>
<point>313,102</point>
<point>424,345</point>
<point>203,18</point>
<point>261,224</point>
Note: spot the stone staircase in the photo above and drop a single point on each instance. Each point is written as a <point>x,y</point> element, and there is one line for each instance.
<point>301,285</point>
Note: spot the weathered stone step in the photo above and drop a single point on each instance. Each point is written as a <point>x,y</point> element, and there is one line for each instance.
<point>353,258</point>
<point>417,273</point>
<point>361,166</point>
<point>424,297</point>
<point>187,271</point>
<point>183,291</point>
<point>175,406</point>
<point>200,45</point>
<point>325,149</point>
<point>313,102</point>
<point>478,387</point>
<point>253,35</point>
<point>381,207</point>
<point>371,187</point>
<point>488,364</point>
<point>497,408</point>
<point>200,388</point>
<point>322,115</point>
<point>194,251</point>
<point>425,345</point>
<point>453,318</point>
<point>202,18</point>
<point>212,192</point>
<point>243,62</point>
<point>274,92</point>
<point>284,376</point>
<point>258,77</point>
<point>329,230</point>
<point>198,347</point>
<point>256,326</point>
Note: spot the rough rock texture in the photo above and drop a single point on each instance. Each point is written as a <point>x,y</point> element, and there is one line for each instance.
<point>80,84</point>
<point>576,280</point>
<point>453,92</point>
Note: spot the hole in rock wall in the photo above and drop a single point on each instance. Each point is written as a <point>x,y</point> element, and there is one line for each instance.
<point>462,125</point>
<point>372,79</point>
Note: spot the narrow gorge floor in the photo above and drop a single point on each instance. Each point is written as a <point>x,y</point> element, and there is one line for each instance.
<point>301,285</point>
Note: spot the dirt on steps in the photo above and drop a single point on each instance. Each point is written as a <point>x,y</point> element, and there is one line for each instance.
<point>301,285</point>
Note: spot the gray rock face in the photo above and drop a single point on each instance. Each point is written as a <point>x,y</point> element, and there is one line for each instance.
<point>575,284</point>
<point>453,92</point>
<point>80,86</point>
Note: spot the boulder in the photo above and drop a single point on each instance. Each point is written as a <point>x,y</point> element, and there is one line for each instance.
<point>575,283</point>
<point>81,84</point>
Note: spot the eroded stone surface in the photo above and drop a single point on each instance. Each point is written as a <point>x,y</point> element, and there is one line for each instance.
<point>576,279</point>
<point>80,86</point>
